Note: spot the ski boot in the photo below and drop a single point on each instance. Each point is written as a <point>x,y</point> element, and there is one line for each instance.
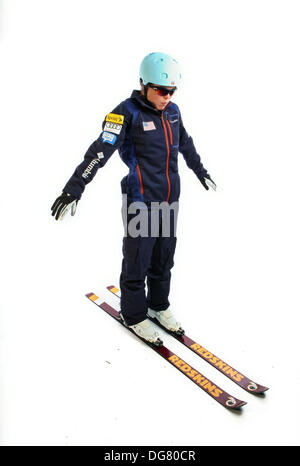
<point>145,330</point>
<point>167,320</point>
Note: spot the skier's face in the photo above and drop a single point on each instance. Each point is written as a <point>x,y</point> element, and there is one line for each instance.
<point>159,101</point>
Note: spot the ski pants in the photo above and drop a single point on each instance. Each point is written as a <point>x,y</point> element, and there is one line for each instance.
<point>146,259</point>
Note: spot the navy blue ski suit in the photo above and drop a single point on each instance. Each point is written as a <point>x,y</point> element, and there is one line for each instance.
<point>148,141</point>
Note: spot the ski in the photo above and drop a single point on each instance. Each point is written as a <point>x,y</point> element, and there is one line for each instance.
<point>234,375</point>
<point>224,398</point>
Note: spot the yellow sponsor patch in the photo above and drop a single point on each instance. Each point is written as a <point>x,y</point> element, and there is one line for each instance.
<point>115,118</point>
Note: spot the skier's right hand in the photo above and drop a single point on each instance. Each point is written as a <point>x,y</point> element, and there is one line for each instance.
<point>63,204</point>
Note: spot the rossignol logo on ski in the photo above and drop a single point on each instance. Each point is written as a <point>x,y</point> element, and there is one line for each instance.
<point>235,375</point>
<point>195,376</point>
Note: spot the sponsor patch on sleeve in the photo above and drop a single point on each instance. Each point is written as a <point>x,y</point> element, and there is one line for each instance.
<point>115,118</point>
<point>112,127</point>
<point>108,137</point>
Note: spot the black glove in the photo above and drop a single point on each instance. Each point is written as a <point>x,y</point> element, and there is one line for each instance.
<point>63,204</point>
<point>207,182</point>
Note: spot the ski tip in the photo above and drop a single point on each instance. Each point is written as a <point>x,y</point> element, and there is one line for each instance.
<point>113,289</point>
<point>254,388</point>
<point>234,403</point>
<point>240,404</point>
<point>93,297</point>
<point>261,389</point>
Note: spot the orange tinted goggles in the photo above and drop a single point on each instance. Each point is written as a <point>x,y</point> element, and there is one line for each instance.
<point>162,91</point>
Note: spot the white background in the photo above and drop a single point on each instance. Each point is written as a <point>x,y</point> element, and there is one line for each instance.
<point>73,376</point>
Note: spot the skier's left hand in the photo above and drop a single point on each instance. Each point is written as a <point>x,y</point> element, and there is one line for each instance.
<point>207,182</point>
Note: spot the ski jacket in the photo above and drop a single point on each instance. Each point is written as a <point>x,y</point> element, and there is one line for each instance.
<point>148,141</point>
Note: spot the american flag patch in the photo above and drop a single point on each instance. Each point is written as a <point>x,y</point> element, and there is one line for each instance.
<point>148,125</point>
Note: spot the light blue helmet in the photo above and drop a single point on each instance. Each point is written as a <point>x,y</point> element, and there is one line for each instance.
<point>159,68</point>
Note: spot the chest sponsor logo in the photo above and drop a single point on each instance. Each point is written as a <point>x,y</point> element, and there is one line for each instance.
<point>112,127</point>
<point>173,118</point>
<point>115,118</point>
<point>148,125</point>
<point>108,137</point>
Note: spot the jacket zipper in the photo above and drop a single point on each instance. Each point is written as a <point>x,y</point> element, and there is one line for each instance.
<point>140,178</point>
<point>168,156</point>
<point>171,136</point>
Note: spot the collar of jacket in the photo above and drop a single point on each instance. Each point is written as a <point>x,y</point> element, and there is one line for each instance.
<point>136,95</point>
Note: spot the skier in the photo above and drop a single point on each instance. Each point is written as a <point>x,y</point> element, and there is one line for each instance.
<point>148,132</point>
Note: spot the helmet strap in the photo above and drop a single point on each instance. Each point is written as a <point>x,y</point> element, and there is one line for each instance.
<point>146,87</point>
